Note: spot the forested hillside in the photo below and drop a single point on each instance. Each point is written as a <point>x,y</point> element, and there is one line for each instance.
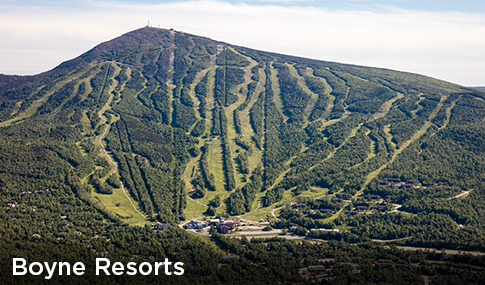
<point>160,126</point>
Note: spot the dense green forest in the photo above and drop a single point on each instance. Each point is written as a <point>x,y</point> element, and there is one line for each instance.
<point>155,125</point>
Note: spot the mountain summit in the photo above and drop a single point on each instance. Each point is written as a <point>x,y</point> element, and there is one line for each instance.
<point>160,126</point>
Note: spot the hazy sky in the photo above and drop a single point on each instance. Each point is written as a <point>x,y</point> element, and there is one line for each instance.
<point>444,39</point>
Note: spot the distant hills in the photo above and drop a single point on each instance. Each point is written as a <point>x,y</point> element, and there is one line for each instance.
<point>161,126</point>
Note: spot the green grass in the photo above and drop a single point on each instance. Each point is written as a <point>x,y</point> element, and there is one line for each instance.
<point>215,163</point>
<point>231,135</point>
<point>277,92</point>
<point>332,218</point>
<point>35,105</point>
<point>215,166</point>
<point>387,131</point>
<point>194,210</point>
<point>351,135</point>
<point>370,154</point>
<point>314,192</point>
<point>416,136</point>
<point>215,152</point>
<point>247,131</point>
<point>301,82</point>
<point>256,216</point>
<point>448,112</point>
<point>328,90</point>
<point>188,173</point>
<point>215,155</point>
<point>257,201</point>
<point>387,106</point>
<point>334,121</point>
<point>119,204</point>
<point>421,98</point>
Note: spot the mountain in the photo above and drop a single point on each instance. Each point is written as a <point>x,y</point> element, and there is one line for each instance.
<point>160,126</point>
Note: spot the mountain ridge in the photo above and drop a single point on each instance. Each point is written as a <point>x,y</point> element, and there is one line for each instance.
<point>138,35</point>
<point>159,126</point>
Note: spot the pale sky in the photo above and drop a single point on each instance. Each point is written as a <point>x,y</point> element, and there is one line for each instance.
<point>444,39</point>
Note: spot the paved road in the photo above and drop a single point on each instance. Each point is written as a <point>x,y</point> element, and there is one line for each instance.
<point>459,195</point>
<point>252,233</point>
<point>447,251</point>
